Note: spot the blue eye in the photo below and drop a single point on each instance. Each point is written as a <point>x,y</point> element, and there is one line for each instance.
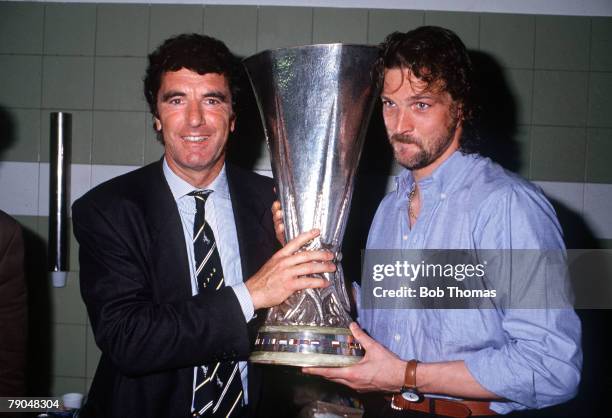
<point>422,106</point>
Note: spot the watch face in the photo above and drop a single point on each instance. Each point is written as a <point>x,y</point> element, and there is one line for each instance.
<point>411,395</point>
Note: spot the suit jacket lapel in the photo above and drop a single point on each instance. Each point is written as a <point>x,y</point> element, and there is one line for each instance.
<point>168,252</point>
<point>248,215</point>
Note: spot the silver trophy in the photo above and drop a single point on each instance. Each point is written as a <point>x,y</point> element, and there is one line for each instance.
<point>315,103</point>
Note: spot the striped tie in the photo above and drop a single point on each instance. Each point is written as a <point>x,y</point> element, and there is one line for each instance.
<point>218,388</point>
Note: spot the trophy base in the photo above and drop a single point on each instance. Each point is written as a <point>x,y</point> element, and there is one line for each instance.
<point>306,346</point>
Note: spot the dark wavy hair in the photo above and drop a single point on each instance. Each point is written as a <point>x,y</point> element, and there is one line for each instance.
<point>438,57</point>
<point>199,53</point>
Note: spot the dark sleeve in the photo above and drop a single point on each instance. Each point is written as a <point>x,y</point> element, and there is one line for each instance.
<point>13,309</point>
<point>132,325</point>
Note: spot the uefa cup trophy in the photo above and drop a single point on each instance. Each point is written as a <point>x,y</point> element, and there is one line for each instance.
<point>315,103</point>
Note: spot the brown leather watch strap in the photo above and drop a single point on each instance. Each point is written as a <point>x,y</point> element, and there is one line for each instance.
<point>410,374</point>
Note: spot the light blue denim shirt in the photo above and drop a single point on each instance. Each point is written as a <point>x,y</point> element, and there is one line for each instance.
<point>532,357</point>
<point>220,216</point>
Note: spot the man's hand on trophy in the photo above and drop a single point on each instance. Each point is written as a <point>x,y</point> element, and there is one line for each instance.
<point>289,271</point>
<point>279,225</point>
<point>380,370</point>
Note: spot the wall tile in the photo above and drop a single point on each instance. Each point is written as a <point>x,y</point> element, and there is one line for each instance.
<point>562,42</point>
<point>520,83</point>
<point>43,218</point>
<point>332,25</point>
<point>118,138</point>
<point>383,22</point>
<point>465,25</point>
<point>558,154</point>
<point>118,84</point>
<point>597,209</point>
<point>80,182</point>
<point>43,233</point>
<point>70,29</point>
<point>153,148</point>
<point>20,135</point>
<point>170,20</point>
<point>599,152</point>
<point>601,44</point>
<point>102,173</point>
<point>234,25</point>
<point>122,30</point>
<point>80,145</point>
<point>523,140</point>
<point>21,27</point>
<point>570,195</point>
<point>280,27</point>
<point>508,38</point>
<point>600,99</point>
<point>21,77</point>
<point>69,350</point>
<point>73,265</point>
<point>20,182</point>
<point>93,354</point>
<point>67,82</point>
<point>28,223</point>
<point>560,98</point>
<point>66,303</point>
<point>62,384</point>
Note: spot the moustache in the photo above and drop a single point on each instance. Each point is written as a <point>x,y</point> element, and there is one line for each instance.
<point>404,139</point>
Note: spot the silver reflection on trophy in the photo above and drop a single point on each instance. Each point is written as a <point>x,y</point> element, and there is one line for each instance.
<point>315,103</point>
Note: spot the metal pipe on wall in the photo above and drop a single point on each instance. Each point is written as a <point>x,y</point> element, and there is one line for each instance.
<point>61,136</point>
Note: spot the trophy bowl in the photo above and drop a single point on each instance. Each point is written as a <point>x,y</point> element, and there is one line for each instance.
<point>315,103</point>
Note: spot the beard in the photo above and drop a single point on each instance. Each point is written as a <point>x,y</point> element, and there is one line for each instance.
<point>428,149</point>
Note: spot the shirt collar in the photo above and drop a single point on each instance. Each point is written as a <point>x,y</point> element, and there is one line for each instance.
<point>442,178</point>
<point>180,187</point>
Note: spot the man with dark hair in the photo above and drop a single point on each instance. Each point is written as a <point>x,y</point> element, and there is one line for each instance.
<point>176,257</point>
<point>468,362</point>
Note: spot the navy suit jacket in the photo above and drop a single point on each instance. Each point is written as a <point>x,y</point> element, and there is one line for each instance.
<point>135,282</point>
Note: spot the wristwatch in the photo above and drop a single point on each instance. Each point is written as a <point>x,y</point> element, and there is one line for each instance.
<point>409,391</point>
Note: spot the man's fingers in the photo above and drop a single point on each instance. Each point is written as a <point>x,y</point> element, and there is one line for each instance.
<point>308,269</point>
<point>308,257</point>
<point>361,336</point>
<point>299,241</point>
<point>277,219</point>
<point>276,207</point>
<point>277,213</point>
<point>308,283</point>
<point>327,372</point>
